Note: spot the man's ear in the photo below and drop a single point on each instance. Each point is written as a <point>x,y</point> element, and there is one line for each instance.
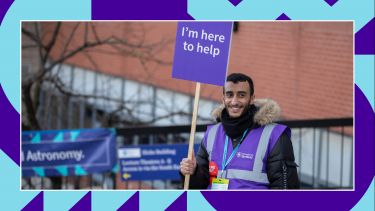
<point>252,99</point>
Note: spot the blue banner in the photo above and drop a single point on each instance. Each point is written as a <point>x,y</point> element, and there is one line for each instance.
<point>68,152</point>
<point>152,162</point>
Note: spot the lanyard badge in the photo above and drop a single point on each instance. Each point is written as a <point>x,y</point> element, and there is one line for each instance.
<point>225,162</point>
<point>222,183</point>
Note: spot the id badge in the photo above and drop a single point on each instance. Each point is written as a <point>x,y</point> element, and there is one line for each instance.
<point>220,184</point>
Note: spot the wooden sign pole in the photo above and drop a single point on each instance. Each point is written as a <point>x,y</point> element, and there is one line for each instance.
<point>192,130</point>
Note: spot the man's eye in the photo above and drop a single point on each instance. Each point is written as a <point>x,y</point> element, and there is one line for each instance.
<point>229,94</point>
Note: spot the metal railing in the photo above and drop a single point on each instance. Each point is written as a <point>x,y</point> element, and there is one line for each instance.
<point>323,150</point>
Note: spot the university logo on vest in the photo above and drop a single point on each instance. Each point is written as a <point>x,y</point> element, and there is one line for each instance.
<point>244,155</point>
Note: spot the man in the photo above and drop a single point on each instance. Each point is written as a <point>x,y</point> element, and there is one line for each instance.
<point>244,150</point>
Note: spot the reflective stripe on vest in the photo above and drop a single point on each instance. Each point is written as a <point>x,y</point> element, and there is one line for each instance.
<point>262,148</point>
<point>256,174</point>
<point>247,175</point>
<point>211,139</point>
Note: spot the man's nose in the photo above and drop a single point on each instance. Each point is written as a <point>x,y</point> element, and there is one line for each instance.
<point>234,100</point>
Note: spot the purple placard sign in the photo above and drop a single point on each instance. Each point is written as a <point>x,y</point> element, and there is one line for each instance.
<point>202,51</point>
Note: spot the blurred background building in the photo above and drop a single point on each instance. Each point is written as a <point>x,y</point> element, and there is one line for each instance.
<point>118,74</point>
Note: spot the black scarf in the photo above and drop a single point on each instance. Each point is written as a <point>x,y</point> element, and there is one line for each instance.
<point>235,127</point>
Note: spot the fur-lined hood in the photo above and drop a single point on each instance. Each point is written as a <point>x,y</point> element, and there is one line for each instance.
<point>268,111</point>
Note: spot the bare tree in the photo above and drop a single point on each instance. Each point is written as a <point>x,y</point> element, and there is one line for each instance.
<point>51,45</point>
<point>57,42</point>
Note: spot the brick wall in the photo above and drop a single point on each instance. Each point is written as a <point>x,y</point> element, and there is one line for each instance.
<point>307,67</point>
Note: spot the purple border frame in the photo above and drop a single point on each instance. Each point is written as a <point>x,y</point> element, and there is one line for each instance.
<point>307,200</point>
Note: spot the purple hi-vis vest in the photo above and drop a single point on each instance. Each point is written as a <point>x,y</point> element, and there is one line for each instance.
<point>247,169</point>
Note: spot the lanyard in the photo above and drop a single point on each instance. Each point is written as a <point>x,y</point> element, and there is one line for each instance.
<point>225,162</point>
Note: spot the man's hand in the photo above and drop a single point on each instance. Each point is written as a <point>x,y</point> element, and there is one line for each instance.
<point>187,166</point>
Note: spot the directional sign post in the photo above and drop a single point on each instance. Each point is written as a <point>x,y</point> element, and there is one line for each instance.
<point>201,55</point>
<point>151,162</point>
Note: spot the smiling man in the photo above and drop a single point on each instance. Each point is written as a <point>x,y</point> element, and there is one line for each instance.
<point>245,149</point>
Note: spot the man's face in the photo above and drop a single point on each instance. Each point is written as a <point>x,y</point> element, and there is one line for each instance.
<point>237,98</point>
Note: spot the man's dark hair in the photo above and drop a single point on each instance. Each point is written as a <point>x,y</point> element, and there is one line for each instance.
<point>239,77</point>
